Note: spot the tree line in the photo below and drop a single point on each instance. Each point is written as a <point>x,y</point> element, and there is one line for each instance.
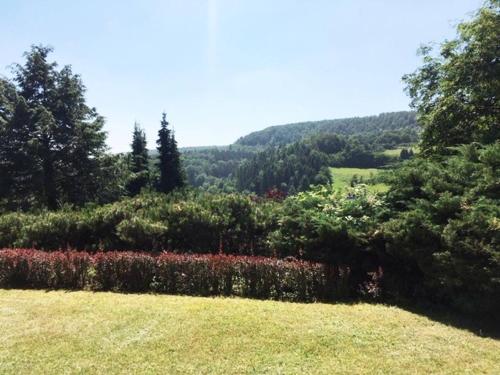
<point>262,167</point>
<point>295,167</point>
<point>53,148</point>
<point>371,126</point>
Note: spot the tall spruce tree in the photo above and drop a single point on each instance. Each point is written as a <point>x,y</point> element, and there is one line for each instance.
<point>178,175</point>
<point>20,177</point>
<point>138,162</point>
<point>54,128</point>
<point>171,174</point>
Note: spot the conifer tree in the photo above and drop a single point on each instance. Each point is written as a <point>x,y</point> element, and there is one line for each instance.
<point>171,174</point>
<point>20,177</point>
<point>54,128</point>
<point>177,171</point>
<point>138,162</point>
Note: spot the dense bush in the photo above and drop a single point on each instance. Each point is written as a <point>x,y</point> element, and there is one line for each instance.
<point>321,225</point>
<point>443,239</point>
<point>182,222</point>
<point>38,269</point>
<point>205,275</point>
<point>327,225</point>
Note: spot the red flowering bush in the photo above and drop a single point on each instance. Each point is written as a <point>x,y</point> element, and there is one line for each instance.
<point>206,275</point>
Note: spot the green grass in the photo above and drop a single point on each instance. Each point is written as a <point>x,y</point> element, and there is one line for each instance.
<point>394,152</point>
<point>107,333</point>
<point>342,178</point>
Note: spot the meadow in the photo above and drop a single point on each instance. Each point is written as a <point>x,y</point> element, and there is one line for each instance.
<point>342,178</point>
<point>84,332</point>
<point>393,152</point>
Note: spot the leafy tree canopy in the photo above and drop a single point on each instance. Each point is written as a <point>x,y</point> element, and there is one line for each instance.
<point>456,93</point>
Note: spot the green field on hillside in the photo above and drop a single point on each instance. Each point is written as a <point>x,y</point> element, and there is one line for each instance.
<point>342,178</point>
<point>104,333</point>
<point>395,152</point>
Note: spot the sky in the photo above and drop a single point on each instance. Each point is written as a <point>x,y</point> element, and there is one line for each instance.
<point>221,69</point>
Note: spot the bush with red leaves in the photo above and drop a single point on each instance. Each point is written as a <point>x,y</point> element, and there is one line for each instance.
<point>187,274</point>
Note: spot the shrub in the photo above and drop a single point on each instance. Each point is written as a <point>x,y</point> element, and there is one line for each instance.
<point>442,242</point>
<point>122,271</point>
<point>152,222</point>
<point>203,274</point>
<point>10,228</point>
<point>38,269</point>
<point>326,226</point>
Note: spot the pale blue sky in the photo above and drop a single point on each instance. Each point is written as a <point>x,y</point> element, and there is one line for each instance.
<point>224,68</point>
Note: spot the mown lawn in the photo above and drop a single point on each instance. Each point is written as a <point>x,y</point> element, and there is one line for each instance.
<point>342,178</point>
<point>105,333</point>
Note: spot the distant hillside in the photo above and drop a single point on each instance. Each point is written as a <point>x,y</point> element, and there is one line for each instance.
<point>289,133</point>
<point>253,163</point>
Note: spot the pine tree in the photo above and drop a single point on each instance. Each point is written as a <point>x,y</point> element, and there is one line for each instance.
<point>164,156</point>
<point>138,162</point>
<point>20,174</point>
<point>171,173</point>
<point>139,150</point>
<point>177,171</point>
<point>54,128</point>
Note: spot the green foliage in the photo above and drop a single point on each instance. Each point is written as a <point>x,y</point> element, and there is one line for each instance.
<point>295,167</point>
<point>443,237</point>
<point>139,168</point>
<point>456,94</point>
<point>213,168</point>
<point>291,168</point>
<point>349,177</point>
<point>171,175</point>
<point>406,154</point>
<point>326,225</point>
<point>245,165</point>
<point>401,125</point>
<point>186,221</point>
<point>51,143</point>
<point>322,225</point>
<point>141,233</point>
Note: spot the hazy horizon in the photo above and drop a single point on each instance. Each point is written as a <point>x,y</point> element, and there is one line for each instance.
<point>223,69</point>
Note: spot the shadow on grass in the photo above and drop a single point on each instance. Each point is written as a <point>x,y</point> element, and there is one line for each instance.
<point>479,325</point>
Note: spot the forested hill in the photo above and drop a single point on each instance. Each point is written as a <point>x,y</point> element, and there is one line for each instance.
<point>289,133</point>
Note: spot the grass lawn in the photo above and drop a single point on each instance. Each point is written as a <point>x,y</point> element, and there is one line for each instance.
<point>83,332</point>
<point>342,178</point>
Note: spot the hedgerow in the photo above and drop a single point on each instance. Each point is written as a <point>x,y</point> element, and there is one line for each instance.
<point>188,221</point>
<point>187,274</point>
